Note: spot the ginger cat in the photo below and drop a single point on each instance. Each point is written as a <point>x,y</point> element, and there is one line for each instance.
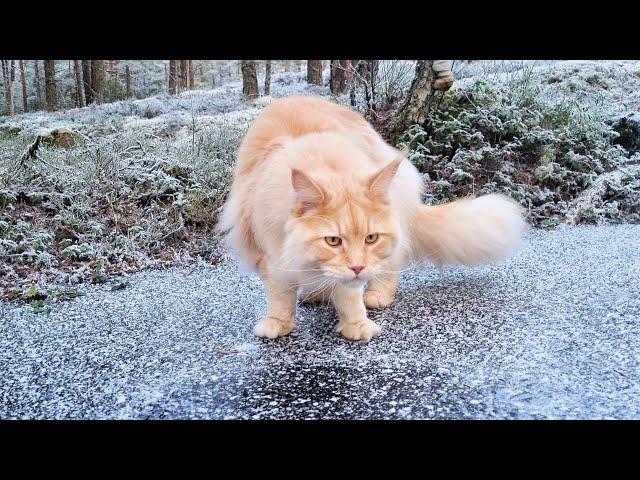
<point>321,207</point>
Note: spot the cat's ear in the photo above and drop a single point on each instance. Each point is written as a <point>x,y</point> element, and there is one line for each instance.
<point>380,182</point>
<point>308,194</point>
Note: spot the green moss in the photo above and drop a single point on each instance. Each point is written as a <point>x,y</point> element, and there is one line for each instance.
<point>60,137</point>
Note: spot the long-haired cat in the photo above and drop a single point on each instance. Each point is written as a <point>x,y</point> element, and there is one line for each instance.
<point>322,207</point>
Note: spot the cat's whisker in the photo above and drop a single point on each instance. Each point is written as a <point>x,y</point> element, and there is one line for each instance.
<point>320,287</point>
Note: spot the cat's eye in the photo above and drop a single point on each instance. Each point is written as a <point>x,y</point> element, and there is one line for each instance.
<point>333,241</point>
<point>371,238</point>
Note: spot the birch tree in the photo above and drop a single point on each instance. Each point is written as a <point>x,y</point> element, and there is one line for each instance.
<point>415,108</point>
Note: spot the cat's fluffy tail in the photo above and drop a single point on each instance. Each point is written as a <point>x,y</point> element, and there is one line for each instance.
<point>470,231</point>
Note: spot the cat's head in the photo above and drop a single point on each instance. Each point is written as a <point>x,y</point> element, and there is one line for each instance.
<point>343,227</point>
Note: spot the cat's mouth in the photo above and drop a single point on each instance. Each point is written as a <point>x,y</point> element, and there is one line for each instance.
<point>354,282</point>
<point>350,281</point>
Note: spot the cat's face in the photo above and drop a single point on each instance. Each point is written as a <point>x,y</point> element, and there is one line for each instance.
<point>344,232</point>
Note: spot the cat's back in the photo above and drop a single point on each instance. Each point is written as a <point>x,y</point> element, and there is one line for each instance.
<point>295,116</point>
<point>299,115</point>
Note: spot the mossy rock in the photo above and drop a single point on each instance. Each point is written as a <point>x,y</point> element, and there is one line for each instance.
<point>60,137</point>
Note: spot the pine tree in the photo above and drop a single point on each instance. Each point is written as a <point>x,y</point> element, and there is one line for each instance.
<point>11,78</point>
<point>97,80</point>
<point>23,81</point>
<point>7,67</point>
<point>192,79</point>
<point>80,96</point>
<point>173,77</point>
<point>50,85</point>
<point>38,82</point>
<point>86,81</point>
<point>314,72</point>
<point>249,79</point>
<point>127,73</point>
<point>338,79</point>
<point>267,78</point>
<point>184,75</point>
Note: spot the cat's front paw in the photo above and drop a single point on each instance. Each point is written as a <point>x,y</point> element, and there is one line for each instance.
<point>364,330</point>
<point>375,299</point>
<point>270,327</point>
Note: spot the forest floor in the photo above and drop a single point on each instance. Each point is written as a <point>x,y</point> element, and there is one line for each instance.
<point>551,333</point>
<point>121,187</point>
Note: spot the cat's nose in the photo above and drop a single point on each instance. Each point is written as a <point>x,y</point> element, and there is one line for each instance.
<point>357,268</point>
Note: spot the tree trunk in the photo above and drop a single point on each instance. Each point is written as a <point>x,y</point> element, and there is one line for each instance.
<point>38,81</point>
<point>7,68</point>
<point>97,80</point>
<point>23,81</point>
<point>113,73</point>
<point>173,77</point>
<point>249,79</point>
<point>267,78</point>
<point>373,66</point>
<point>287,66</point>
<point>369,73</point>
<point>113,70</point>
<point>166,76</point>
<point>4,76</point>
<point>351,75</point>
<point>50,85</point>
<point>338,79</point>
<point>127,73</point>
<point>11,88</point>
<point>80,97</point>
<point>184,75</point>
<point>86,81</point>
<point>192,79</point>
<point>415,108</point>
<point>314,72</point>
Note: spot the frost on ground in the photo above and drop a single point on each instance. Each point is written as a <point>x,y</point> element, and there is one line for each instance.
<point>551,333</point>
<point>136,184</point>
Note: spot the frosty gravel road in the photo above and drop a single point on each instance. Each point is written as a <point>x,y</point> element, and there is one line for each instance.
<point>553,333</point>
